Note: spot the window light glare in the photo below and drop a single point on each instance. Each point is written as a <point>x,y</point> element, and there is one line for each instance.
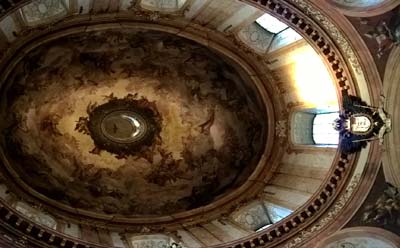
<point>271,24</point>
<point>323,132</point>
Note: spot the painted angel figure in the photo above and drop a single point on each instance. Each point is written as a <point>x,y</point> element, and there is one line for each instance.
<point>383,37</point>
<point>394,27</point>
<point>386,34</point>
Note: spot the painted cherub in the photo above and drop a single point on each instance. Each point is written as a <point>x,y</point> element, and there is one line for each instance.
<point>383,37</point>
<point>386,34</point>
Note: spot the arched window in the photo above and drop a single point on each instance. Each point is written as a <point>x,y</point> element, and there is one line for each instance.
<point>259,215</point>
<point>275,213</point>
<point>323,131</point>
<point>313,127</point>
<point>268,34</point>
<point>271,24</point>
<point>41,11</point>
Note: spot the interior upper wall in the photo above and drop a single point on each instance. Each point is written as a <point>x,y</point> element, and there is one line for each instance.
<point>303,77</point>
<point>299,176</point>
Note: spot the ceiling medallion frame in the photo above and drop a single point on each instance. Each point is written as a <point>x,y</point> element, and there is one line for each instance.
<point>138,115</point>
<point>294,226</point>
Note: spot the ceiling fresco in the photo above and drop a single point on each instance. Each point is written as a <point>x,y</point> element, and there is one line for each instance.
<point>381,34</point>
<point>207,127</point>
<point>112,135</point>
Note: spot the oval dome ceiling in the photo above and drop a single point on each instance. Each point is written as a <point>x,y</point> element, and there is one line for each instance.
<point>199,123</point>
<point>131,122</point>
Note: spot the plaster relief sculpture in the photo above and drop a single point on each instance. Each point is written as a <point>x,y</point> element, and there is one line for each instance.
<point>256,37</point>
<point>281,128</point>
<point>252,216</point>
<point>359,123</point>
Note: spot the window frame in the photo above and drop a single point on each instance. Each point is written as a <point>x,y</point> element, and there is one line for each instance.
<point>313,134</point>
<point>311,147</point>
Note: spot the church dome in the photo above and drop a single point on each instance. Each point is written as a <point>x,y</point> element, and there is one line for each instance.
<point>190,123</point>
<point>131,123</point>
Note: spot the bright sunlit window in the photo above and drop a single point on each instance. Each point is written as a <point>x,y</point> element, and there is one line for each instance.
<point>271,24</point>
<point>277,213</point>
<point>323,131</point>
